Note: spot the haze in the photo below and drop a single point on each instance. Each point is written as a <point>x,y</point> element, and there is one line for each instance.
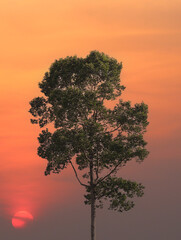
<point>146,37</point>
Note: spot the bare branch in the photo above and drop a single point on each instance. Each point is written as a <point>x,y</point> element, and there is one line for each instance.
<point>77,175</point>
<point>113,170</point>
<point>114,129</point>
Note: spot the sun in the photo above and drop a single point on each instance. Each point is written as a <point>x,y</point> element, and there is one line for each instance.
<point>21,219</point>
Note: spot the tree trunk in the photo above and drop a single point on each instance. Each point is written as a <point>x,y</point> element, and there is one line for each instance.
<point>93,200</point>
<point>93,214</point>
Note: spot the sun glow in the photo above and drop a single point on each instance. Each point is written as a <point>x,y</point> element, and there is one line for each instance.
<point>21,219</point>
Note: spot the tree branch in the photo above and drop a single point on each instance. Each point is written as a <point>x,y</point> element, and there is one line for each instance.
<point>77,175</point>
<point>114,169</point>
<point>114,129</point>
<point>97,170</point>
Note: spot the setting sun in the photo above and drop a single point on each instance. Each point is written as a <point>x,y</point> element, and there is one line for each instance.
<point>21,219</point>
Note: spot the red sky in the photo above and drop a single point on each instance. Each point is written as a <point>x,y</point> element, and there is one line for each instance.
<point>146,37</point>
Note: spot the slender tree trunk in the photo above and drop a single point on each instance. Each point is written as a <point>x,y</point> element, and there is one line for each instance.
<point>93,200</point>
<point>93,214</point>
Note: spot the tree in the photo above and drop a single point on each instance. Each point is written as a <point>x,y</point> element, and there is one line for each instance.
<point>99,140</point>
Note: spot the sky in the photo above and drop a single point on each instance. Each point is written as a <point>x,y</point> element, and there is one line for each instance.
<point>146,37</point>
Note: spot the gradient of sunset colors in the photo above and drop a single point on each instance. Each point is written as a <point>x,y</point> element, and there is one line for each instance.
<point>146,37</point>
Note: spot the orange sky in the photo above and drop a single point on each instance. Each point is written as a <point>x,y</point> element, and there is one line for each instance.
<point>144,35</point>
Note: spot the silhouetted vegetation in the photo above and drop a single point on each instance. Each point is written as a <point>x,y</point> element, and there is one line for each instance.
<point>94,140</point>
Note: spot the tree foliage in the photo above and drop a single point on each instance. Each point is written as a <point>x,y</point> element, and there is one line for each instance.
<point>98,139</point>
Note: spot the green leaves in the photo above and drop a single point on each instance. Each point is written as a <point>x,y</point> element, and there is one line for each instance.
<point>118,192</point>
<point>56,148</point>
<point>41,111</point>
<point>97,137</point>
<point>130,119</point>
<point>95,72</point>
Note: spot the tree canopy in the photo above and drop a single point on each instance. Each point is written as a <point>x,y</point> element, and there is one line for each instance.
<point>98,139</point>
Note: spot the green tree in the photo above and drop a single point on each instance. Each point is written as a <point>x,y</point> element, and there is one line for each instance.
<point>95,138</point>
